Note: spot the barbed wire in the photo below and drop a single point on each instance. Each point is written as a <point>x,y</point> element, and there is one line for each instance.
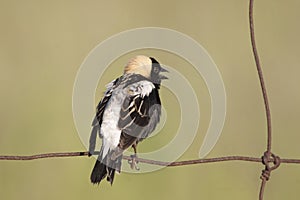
<point>269,159</point>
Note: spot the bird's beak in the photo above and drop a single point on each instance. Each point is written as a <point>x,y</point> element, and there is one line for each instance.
<point>163,70</point>
<point>163,76</point>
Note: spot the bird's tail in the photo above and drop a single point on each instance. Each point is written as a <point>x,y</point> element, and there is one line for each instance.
<point>106,168</point>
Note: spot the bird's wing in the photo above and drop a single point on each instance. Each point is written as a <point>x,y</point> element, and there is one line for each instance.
<point>102,104</point>
<point>99,114</point>
<point>139,113</point>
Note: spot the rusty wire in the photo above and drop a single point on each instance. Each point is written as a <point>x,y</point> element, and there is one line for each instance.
<point>261,77</point>
<point>269,159</point>
<point>266,159</point>
<point>148,161</point>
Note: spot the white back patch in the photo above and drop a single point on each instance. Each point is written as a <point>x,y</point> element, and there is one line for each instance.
<point>142,88</point>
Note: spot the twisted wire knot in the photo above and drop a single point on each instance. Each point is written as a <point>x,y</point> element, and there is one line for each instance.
<point>268,158</point>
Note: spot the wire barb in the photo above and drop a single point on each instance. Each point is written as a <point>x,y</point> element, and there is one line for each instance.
<point>268,158</point>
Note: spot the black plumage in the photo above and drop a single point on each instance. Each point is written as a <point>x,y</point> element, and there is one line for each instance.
<point>139,114</point>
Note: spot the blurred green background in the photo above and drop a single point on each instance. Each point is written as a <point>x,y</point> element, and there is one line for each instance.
<point>43,44</point>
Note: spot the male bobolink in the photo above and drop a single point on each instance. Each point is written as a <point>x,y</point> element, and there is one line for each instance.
<point>127,114</point>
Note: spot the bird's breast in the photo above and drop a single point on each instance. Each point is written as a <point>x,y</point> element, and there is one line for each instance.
<point>109,127</point>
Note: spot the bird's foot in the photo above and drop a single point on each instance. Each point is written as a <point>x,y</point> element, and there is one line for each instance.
<point>134,162</point>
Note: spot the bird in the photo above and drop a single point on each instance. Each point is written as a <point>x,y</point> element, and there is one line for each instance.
<point>127,114</point>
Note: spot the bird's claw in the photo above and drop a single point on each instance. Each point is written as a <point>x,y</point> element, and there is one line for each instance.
<point>133,162</point>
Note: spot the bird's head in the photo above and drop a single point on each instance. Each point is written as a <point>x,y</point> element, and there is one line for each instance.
<point>147,67</point>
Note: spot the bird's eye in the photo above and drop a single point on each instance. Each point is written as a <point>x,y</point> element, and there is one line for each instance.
<point>156,70</point>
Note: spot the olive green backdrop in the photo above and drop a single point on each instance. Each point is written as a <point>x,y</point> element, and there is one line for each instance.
<point>43,43</point>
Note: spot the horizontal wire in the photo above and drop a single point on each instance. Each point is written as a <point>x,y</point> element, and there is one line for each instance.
<point>148,161</point>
